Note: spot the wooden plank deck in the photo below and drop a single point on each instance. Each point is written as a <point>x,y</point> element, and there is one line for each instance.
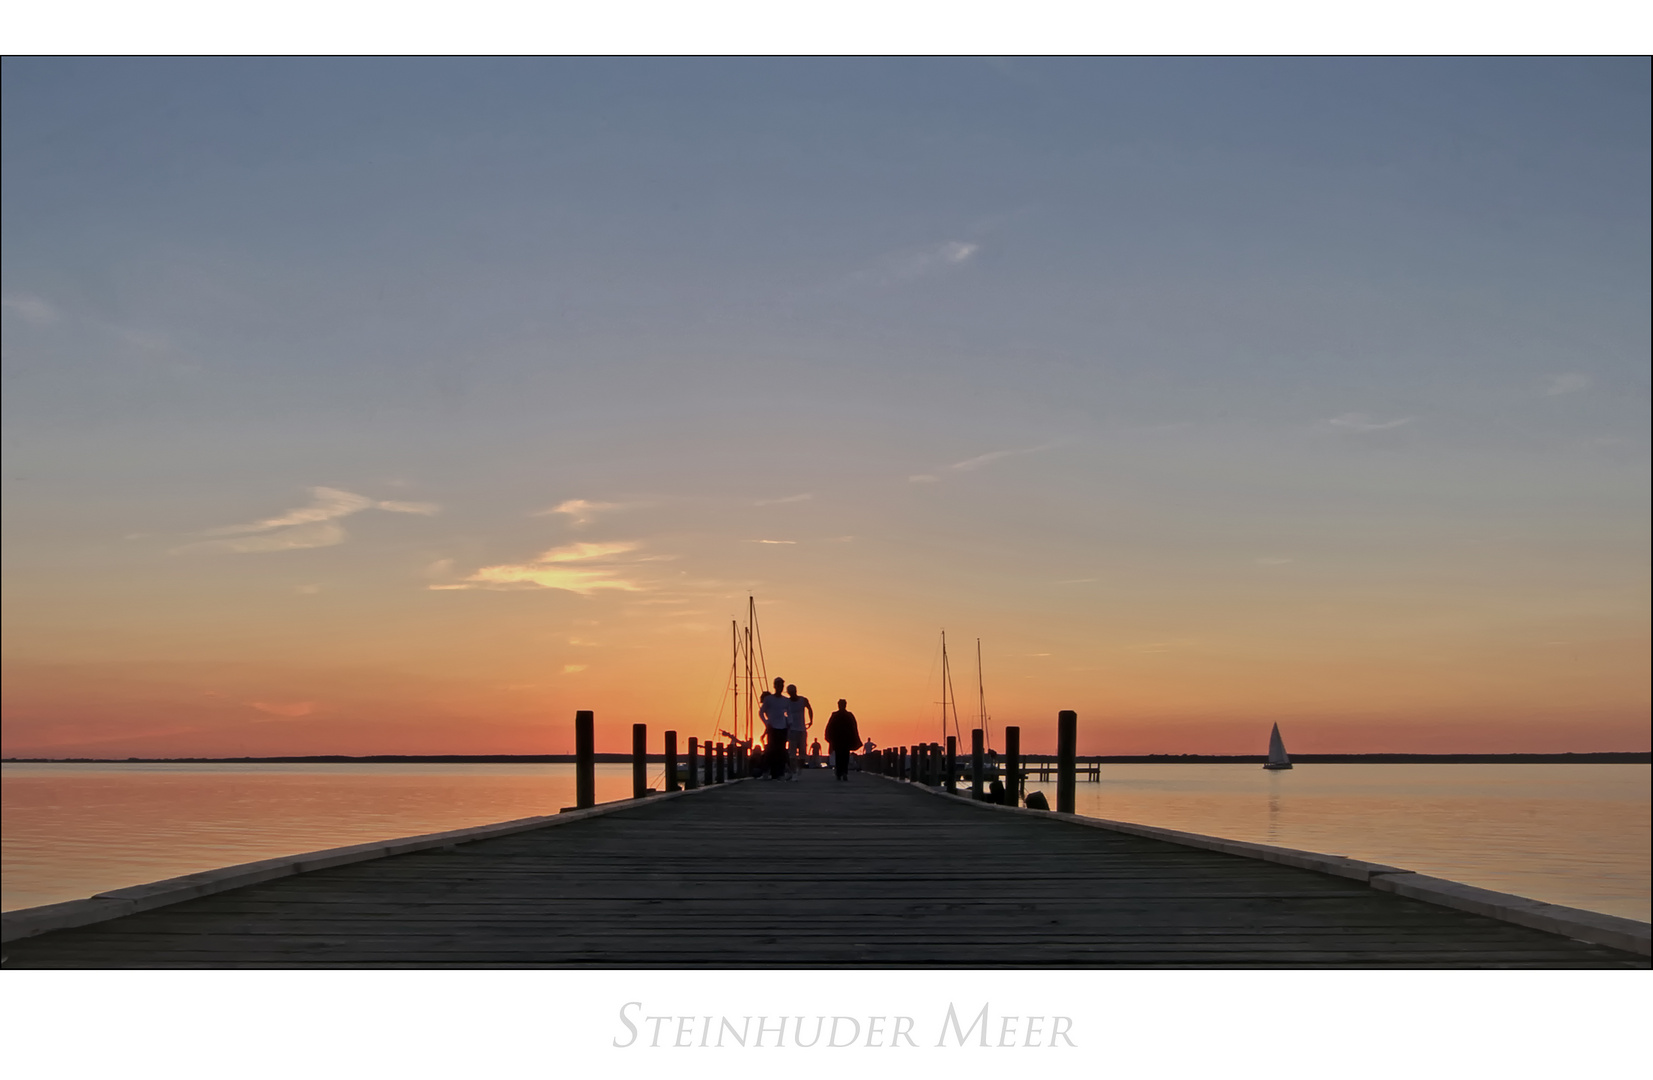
<point>870,873</point>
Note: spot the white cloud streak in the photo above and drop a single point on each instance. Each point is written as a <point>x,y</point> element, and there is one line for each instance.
<point>312,526</point>
<point>583,568</point>
<point>1568,383</point>
<point>31,309</point>
<point>582,511</point>
<point>1361,423</point>
<point>922,262</point>
<point>974,463</point>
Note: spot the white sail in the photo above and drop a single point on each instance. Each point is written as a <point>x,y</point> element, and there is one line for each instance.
<point>1277,758</point>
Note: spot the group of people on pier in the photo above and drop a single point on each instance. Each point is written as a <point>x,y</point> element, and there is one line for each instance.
<point>787,718</point>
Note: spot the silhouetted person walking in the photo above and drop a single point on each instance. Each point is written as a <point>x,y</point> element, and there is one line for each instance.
<point>776,710</point>
<point>843,737</point>
<point>799,730</point>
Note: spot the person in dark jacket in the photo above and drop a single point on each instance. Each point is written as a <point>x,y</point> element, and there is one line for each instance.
<point>843,738</point>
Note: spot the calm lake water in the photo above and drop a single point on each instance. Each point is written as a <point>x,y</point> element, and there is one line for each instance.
<point>1569,834</point>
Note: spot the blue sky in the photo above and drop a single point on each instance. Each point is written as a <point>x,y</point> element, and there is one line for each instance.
<point>1145,327</point>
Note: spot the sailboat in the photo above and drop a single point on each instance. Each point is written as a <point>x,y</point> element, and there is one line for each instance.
<point>1277,758</point>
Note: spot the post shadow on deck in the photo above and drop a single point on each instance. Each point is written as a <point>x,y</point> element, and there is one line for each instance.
<point>585,745</point>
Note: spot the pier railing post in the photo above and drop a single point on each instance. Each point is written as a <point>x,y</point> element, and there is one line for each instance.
<point>691,776</point>
<point>1013,766</point>
<point>975,763</point>
<point>718,775</point>
<point>639,760</point>
<point>585,747</point>
<point>671,761</point>
<point>952,780</point>
<point>1067,736</point>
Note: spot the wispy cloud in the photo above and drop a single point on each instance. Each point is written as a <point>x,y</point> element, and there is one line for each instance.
<point>1361,423</point>
<point>912,263</point>
<point>974,463</point>
<point>287,709</point>
<point>805,497</point>
<point>312,526</point>
<point>573,669</point>
<point>582,511</point>
<point>577,568</point>
<point>970,464</point>
<point>1274,560</point>
<point>771,541</point>
<point>1568,383</point>
<point>31,309</point>
<point>317,535</point>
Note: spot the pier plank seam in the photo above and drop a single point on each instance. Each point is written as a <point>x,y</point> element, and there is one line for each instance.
<point>1578,924</point>
<point>863,866</point>
<point>132,899</point>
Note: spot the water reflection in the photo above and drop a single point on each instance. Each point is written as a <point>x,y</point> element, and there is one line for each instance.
<point>1570,834</point>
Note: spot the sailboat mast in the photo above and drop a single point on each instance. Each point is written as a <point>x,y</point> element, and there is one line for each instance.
<point>981,699</point>
<point>944,686</point>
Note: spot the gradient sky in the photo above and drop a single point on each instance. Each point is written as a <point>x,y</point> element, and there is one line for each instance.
<point>408,406</point>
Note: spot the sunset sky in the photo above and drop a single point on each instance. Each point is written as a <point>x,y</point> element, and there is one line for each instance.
<point>409,406</point>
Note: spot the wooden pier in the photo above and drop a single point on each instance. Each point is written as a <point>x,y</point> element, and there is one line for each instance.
<point>876,872</point>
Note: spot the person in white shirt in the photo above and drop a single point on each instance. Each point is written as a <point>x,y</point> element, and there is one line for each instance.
<point>798,729</point>
<point>776,710</point>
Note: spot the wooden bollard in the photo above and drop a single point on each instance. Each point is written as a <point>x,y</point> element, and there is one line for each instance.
<point>691,776</point>
<point>975,763</point>
<point>719,772</point>
<point>952,781</point>
<point>585,750</point>
<point>639,760</point>
<point>1067,738</point>
<point>1012,766</point>
<point>671,761</point>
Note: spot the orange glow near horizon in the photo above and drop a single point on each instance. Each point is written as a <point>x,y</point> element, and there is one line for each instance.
<point>501,682</point>
<point>407,408</point>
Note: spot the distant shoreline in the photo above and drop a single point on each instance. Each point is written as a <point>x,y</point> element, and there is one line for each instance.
<point>1592,758</point>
